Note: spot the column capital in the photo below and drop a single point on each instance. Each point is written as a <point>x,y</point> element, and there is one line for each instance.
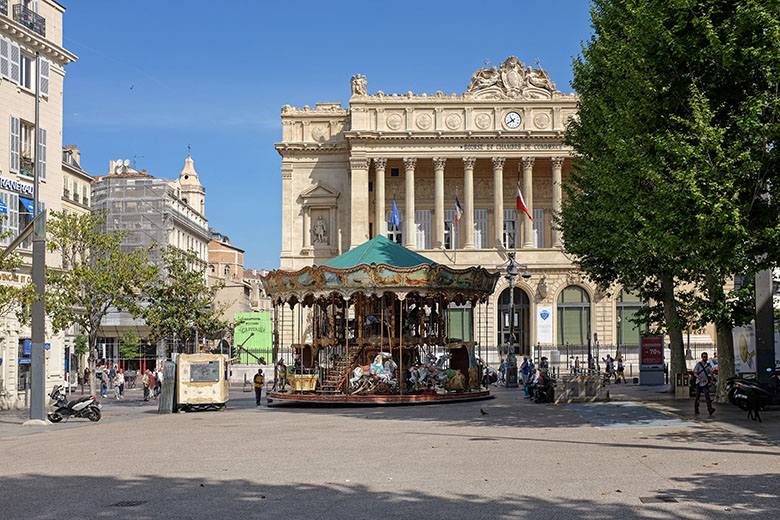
<point>358,163</point>
<point>410,163</point>
<point>380,163</point>
<point>469,162</point>
<point>528,162</point>
<point>557,162</point>
<point>439,163</point>
<point>498,162</point>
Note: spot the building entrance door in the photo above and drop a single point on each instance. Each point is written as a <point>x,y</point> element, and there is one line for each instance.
<point>521,318</point>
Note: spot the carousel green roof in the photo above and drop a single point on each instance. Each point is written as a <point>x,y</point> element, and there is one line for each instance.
<point>379,250</point>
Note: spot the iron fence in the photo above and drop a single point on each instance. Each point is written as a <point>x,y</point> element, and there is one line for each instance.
<point>29,19</point>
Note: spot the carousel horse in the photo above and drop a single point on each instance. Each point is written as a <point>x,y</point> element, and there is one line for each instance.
<point>382,370</point>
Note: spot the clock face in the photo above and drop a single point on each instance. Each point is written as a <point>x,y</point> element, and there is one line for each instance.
<point>512,120</point>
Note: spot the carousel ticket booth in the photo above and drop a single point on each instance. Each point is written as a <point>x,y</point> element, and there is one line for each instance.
<point>379,324</point>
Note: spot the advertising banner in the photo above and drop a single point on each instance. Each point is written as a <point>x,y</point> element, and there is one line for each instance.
<point>651,352</point>
<point>254,332</point>
<point>544,328</point>
<point>744,349</point>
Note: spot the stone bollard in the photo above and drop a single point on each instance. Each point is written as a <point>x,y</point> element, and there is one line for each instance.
<point>166,402</point>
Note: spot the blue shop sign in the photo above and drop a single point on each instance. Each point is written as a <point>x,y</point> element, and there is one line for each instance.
<point>24,361</point>
<point>3,208</point>
<point>27,350</point>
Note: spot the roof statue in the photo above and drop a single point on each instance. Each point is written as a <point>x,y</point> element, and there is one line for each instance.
<point>358,84</point>
<point>512,80</point>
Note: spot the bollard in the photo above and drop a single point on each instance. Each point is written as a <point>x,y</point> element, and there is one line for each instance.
<point>166,402</point>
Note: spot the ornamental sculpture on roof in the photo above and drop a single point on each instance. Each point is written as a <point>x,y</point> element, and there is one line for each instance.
<point>511,80</point>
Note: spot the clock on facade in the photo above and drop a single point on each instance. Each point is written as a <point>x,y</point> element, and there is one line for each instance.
<point>512,120</point>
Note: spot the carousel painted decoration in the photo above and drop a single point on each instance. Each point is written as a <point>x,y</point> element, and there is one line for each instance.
<point>379,323</point>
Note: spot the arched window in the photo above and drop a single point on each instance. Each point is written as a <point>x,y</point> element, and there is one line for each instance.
<point>213,269</point>
<point>573,316</point>
<point>627,306</point>
<point>227,270</point>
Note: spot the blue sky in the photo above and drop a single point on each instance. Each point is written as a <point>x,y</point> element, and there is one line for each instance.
<point>155,76</point>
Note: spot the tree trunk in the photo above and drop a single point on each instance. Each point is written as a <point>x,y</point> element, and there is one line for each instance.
<point>673,328</point>
<point>725,338</point>
<point>92,361</point>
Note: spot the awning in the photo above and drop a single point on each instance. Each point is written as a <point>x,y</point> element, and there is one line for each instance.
<point>28,203</point>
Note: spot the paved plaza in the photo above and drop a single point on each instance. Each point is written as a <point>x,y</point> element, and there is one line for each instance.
<point>620,459</point>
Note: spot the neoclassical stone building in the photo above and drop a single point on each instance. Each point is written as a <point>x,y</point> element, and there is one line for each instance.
<point>343,169</point>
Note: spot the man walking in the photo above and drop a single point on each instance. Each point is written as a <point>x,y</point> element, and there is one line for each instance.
<point>259,385</point>
<point>703,374</point>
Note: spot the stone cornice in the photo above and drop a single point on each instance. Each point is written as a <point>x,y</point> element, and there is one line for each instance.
<point>33,40</point>
<point>466,98</point>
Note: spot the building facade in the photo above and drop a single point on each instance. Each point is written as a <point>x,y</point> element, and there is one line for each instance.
<point>226,267</point>
<point>345,169</point>
<point>27,28</point>
<point>150,210</point>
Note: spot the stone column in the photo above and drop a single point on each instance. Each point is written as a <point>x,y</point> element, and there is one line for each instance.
<point>498,201</point>
<point>287,209</point>
<point>409,228</point>
<point>468,201</point>
<point>379,197</point>
<point>528,196</point>
<point>557,167</point>
<point>358,217</point>
<point>438,207</point>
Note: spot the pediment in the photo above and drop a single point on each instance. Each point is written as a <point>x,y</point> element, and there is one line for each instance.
<point>320,191</point>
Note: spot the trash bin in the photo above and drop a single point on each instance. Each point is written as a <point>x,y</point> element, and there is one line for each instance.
<point>682,386</point>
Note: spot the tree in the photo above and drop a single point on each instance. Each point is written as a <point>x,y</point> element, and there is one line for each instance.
<point>16,296</point>
<point>129,344</point>
<point>99,276</point>
<point>180,302</point>
<point>676,142</point>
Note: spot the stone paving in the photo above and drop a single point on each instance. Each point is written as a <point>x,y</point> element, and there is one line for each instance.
<point>519,460</point>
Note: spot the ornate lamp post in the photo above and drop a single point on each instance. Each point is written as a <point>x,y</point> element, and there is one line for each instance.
<point>511,360</point>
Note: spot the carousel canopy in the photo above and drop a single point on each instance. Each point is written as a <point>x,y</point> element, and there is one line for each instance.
<point>379,250</point>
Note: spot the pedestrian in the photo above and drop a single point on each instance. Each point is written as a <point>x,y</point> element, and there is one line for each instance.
<point>121,378</point>
<point>502,370</point>
<point>573,366</point>
<point>703,374</point>
<point>104,383</point>
<point>525,369</point>
<point>544,365</point>
<point>259,378</point>
<point>146,383</point>
<point>620,370</point>
<point>529,382</point>
<point>85,380</point>
<point>112,372</point>
<point>576,365</point>
<point>609,368</point>
<point>152,383</point>
<point>282,375</point>
<point>158,381</point>
<point>115,385</point>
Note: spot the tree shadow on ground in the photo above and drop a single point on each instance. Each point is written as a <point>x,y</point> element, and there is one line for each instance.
<point>153,497</point>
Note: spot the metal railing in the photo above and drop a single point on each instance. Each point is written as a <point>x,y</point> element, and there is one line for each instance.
<point>4,7</point>
<point>30,19</point>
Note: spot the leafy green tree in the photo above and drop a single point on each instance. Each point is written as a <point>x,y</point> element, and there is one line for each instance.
<point>14,297</point>
<point>82,344</point>
<point>99,276</point>
<point>676,143</point>
<point>129,344</point>
<point>180,302</point>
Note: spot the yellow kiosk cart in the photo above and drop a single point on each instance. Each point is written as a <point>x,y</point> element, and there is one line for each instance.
<point>201,381</point>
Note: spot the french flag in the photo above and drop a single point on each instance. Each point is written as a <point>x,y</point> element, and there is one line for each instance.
<point>521,203</point>
<point>458,210</point>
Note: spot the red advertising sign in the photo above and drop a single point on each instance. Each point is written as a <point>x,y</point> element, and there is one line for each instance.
<point>651,351</point>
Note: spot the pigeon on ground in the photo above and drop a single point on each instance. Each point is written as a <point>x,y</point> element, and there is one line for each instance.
<point>483,412</point>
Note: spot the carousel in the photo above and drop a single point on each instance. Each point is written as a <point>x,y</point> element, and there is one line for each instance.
<point>379,324</point>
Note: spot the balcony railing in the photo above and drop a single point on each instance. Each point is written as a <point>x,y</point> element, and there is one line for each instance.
<point>4,7</point>
<point>30,19</point>
<point>66,194</point>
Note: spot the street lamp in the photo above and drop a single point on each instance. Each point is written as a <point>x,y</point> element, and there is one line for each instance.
<point>511,361</point>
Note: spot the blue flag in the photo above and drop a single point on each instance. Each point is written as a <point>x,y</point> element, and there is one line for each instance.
<point>395,219</point>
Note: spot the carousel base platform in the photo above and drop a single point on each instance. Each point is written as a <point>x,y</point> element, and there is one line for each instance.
<point>313,399</point>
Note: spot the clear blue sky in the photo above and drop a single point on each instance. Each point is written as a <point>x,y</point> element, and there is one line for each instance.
<point>154,76</point>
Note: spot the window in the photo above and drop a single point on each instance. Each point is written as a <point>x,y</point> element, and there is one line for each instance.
<point>395,233</point>
<point>75,190</point>
<point>227,270</point>
<point>26,147</point>
<point>573,316</point>
<point>510,216</point>
<point>65,187</point>
<point>451,235</point>
<point>460,319</point>
<point>481,228</point>
<point>422,223</point>
<point>627,306</point>
<point>212,268</point>
<point>395,172</point>
<point>9,216</point>
<point>538,228</point>
<point>84,197</point>
<point>25,70</point>
<point>21,148</point>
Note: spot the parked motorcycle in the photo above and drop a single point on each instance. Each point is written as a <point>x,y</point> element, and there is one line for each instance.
<point>741,391</point>
<point>86,407</point>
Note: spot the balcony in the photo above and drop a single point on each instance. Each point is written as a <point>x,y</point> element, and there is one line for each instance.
<point>4,7</point>
<point>30,19</point>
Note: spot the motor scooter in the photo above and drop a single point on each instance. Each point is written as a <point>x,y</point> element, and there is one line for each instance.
<point>85,407</point>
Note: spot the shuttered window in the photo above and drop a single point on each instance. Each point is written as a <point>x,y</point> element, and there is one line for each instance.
<point>422,222</point>
<point>481,228</point>
<point>44,77</point>
<point>15,56</point>
<point>510,228</point>
<point>5,58</point>
<point>9,216</point>
<point>14,144</point>
<point>41,154</point>
<point>451,235</point>
<point>538,227</point>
